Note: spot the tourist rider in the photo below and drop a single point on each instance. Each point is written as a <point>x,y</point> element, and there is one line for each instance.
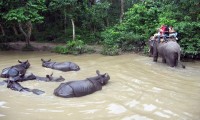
<point>172,33</point>
<point>163,32</point>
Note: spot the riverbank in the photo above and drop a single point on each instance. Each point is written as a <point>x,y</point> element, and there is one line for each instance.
<point>39,46</point>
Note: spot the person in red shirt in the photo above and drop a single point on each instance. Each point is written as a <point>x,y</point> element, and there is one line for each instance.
<point>163,32</point>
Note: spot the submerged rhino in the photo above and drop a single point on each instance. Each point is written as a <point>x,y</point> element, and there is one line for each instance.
<point>22,78</point>
<point>13,85</point>
<point>50,78</point>
<point>16,70</point>
<point>82,87</point>
<point>62,66</point>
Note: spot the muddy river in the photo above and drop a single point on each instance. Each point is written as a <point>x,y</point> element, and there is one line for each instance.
<point>139,89</point>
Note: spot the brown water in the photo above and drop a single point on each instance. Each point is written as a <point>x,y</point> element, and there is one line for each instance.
<point>139,89</point>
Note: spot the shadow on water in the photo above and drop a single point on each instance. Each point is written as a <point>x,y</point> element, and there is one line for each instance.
<point>139,89</point>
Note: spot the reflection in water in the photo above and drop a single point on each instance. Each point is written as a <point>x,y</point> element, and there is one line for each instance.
<point>139,89</point>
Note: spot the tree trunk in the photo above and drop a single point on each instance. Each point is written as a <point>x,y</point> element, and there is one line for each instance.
<point>73,26</point>
<point>15,30</point>
<point>122,11</point>
<point>2,30</point>
<point>65,20</point>
<point>27,34</point>
<point>107,22</point>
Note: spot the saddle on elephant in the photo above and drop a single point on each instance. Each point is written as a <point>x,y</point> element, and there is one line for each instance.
<point>162,40</point>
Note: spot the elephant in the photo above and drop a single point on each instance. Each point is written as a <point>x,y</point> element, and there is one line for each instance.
<point>80,88</point>
<point>13,85</point>
<point>50,78</point>
<point>169,51</point>
<point>16,70</point>
<point>62,66</point>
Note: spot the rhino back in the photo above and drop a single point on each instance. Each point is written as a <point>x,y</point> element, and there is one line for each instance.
<point>4,72</point>
<point>83,87</point>
<point>64,90</point>
<point>64,66</point>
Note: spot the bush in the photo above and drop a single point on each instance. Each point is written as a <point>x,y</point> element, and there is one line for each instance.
<point>114,50</point>
<point>72,47</point>
<point>61,49</point>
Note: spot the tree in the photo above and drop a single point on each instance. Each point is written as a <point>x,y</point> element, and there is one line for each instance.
<point>122,10</point>
<point>25,13</point>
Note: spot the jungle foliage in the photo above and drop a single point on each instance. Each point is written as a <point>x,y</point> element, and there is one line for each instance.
<point>118,25</point>
<point>143,19</point>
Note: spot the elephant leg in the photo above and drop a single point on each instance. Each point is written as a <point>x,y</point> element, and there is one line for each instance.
<point>155,59</point>
<point>155,56</point>
<point>170,62</point>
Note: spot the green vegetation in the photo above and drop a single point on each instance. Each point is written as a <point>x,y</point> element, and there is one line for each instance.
<point>74,47</point>
<point>79,23</point>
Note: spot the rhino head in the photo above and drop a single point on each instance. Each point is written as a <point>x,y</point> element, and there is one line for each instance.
<point>25,64</point>
<point>102,78</point>
<point>46,63</point>
<point>74,66</point>
<point>54,79</point>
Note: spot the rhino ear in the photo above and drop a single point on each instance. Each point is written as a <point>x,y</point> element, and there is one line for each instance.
<point>42,60</point>
<point>47,76</point>
<point>51,74</point>
<point>19,61</point>
<point>104,74</point>
<point>49,60</point>
<point>98,73</point>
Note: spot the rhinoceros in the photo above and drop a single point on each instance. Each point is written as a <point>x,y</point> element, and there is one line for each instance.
<point>80,88</point>
<point>47,78</point>
<point>50,78</point>
<point>16,70</point>
<point>13,85</point>
<point>62,66</point>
